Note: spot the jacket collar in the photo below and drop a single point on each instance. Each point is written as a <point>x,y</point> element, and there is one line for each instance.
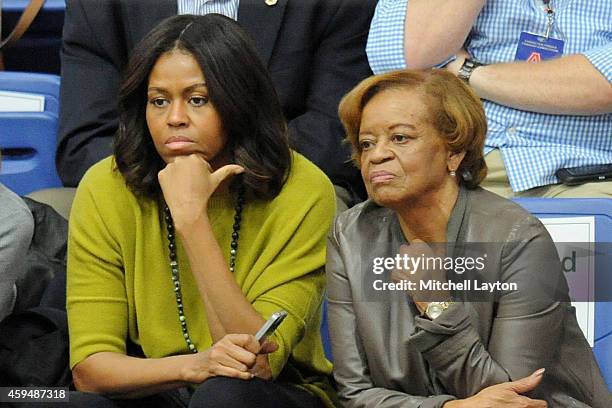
<point>455,229</point>
<point>458,215</point>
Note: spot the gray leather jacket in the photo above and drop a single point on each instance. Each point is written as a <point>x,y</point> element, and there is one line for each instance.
<point>386,355</point>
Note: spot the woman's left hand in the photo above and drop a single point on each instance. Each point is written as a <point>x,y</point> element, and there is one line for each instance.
<point>188,183</point>
<point>262,368</point>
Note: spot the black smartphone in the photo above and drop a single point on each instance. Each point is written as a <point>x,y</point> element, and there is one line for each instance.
<point>584,174</point>
<point>268,328</point>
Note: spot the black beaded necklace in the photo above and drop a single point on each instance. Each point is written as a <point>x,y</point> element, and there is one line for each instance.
<point>174,267</point>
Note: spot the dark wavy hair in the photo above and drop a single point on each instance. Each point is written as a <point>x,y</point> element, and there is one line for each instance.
<point>240,88</point>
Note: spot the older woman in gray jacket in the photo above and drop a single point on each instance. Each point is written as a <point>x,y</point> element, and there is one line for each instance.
<point>506,336</point>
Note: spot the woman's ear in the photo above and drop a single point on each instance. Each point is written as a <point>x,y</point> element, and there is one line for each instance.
<point>454,160</point>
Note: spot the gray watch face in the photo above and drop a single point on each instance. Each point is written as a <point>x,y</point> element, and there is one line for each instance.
<point>434,310</point>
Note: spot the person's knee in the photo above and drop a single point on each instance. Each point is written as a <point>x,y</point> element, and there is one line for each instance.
<point>220,392</point>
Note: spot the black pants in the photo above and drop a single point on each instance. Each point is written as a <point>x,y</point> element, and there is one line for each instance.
<point>217,392</point>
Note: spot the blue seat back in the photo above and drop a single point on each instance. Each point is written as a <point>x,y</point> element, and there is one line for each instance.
<point>28,139</point>
<point>601,210</point>
<point>20,5</point>
<point>325,332</point>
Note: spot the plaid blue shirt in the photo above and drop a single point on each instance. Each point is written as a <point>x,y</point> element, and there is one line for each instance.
<point>534,145</point>
<point>228,8</point>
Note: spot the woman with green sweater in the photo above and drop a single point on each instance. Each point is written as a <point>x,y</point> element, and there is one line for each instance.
<point>202,225</point>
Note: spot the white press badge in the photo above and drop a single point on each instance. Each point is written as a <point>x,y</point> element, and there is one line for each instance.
<point>536,48</point>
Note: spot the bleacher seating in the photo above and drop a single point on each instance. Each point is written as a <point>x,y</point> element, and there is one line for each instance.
<point>28,139</point>
<point>601,210</point>
<point>325,332</point>
<point>38,49</point>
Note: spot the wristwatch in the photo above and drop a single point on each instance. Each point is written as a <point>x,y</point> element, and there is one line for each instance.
<point>469,65</point>
<point>435,309</point>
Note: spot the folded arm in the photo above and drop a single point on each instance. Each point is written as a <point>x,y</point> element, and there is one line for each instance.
<point>98,317</point>
<point>578,84</point>
<point>464,362</point>
<point>435,30</point>
<point>289,265</point>
<point>118,375</point>
<point>467,366</point>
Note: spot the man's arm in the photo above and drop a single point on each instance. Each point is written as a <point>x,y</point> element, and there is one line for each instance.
<point>569,85</point>
<point>434,30</point>
<point>419,33</point>
<point>89,89</point>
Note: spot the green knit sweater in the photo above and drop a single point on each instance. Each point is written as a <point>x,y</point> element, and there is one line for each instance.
<point>119,280</point>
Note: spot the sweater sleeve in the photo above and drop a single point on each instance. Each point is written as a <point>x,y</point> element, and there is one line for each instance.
<point>96,294</point>
<point>452,346</point>
<point>293,259</point>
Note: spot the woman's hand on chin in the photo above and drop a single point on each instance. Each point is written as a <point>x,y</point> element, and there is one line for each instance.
<point>235,355</point>
<point>504,395</point>
<point>188,182</point>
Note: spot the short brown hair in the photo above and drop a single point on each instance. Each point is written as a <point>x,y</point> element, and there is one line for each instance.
<point>454,111</point>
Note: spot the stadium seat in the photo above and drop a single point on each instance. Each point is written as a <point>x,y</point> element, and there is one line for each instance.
<point>325,332</point>
<point>601,210</point>
<point>28,139</point>
<point>38,49</point>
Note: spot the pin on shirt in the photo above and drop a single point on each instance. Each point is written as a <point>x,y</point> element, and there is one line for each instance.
<point>271,3</point>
